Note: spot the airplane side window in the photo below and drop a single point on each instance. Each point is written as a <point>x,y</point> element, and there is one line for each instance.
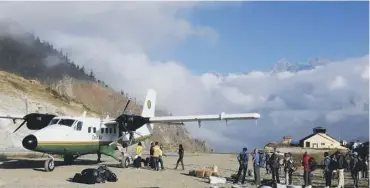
<point>89,129</point>
<point>94,129</point>
<point>110,130</point>
<point>79,126</point>
<point>114,130</point>
<point>102,130</point>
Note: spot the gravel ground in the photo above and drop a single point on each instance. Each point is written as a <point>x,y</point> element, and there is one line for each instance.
<point>29,173</point>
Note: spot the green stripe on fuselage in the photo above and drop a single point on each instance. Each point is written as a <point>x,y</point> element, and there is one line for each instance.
<point>80,148</point>
<point>70,147</point>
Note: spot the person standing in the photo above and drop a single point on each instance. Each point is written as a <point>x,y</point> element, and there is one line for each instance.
<point>355,166</point>
<point>366,166</point>
<point>243,159</point>
<point>341,166</point>
<point>328,170</point>
<point>139,152</point>
<point>274,166</point>
<point>267,159</point>
<point>181,157</point>
<point>151,155</point>
<point>256,167</point>
<point>288,168</point>
<point>160,159</point>
<point>156,154</point>
<point>307,170</point>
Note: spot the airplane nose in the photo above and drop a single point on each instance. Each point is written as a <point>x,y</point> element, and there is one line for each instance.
<point>30,142</point>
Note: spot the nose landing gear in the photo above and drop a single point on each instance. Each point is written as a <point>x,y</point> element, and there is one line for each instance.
<point>49,164</point>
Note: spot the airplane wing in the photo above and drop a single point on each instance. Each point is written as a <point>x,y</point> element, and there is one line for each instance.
<point>199,118</point>
<point>13,117</point>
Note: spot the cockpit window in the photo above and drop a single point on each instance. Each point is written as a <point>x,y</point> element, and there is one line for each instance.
<point>79,126</point>
<point>66,122</point>
<point>53,121</point>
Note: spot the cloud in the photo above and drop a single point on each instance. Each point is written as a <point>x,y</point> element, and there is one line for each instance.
<point>338,83</point>
<point>115,38</point>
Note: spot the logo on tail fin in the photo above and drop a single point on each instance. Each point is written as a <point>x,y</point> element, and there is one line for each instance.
<point>148,104</point>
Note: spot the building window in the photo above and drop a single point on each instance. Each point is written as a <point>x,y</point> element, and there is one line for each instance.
<point>110,130</point>
<point>89,129</point>
<point>106,130</point>
<point>102,130</point>
<point>114,130</point>
<point>94,129</point>
<point>323,144</point>
<point>308,144</point>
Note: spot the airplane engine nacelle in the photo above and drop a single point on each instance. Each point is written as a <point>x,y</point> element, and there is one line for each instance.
<point>131,122</point>
<point>36,121</point>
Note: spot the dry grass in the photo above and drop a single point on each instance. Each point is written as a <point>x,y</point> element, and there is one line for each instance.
<point>19,87</point>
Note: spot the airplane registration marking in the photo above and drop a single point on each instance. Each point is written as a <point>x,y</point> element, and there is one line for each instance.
<point>97,137</point>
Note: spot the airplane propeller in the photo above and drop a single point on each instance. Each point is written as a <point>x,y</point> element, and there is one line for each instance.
<point>20,126</point>
<point>128,102</point>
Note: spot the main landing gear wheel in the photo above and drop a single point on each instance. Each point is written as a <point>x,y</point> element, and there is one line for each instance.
<point>49,165</point>
<point>125,162</point>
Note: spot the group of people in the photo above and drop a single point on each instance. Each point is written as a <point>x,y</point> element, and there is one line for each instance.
<point>273,164</point>
<point>338,163</point>
<point>155,161</point>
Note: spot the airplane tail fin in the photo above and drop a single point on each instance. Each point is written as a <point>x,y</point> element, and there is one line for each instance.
<point>149,106</point>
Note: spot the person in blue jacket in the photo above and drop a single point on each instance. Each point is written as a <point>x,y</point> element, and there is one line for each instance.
<point>243,158</point>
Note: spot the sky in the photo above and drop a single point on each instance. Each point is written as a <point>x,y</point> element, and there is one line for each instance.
<point>172,47</point>
<point>255,35</point>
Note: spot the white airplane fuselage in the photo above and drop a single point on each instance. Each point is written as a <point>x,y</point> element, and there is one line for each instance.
<point>79,136</point>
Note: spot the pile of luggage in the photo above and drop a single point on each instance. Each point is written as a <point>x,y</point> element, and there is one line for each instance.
<point>92,175</point>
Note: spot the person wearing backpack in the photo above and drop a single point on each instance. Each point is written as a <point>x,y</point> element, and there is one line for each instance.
<point>341,165</point>
<point>328,169</point>
<point>356,167</point>
<point>307,170</point>
<point>288,168</point>
<point>243,159</point>
<point>274,165</point>
<point>257,159</point>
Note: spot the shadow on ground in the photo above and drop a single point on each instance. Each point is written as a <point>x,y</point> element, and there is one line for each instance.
<point>38,164</point>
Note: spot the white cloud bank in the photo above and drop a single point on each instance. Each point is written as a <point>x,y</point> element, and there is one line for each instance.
<point>113,39</point>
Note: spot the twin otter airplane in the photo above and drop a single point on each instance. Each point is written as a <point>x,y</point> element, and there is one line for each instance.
<point>76,136</point>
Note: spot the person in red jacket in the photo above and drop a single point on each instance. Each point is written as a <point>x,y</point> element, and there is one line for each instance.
<point>307,170</point>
